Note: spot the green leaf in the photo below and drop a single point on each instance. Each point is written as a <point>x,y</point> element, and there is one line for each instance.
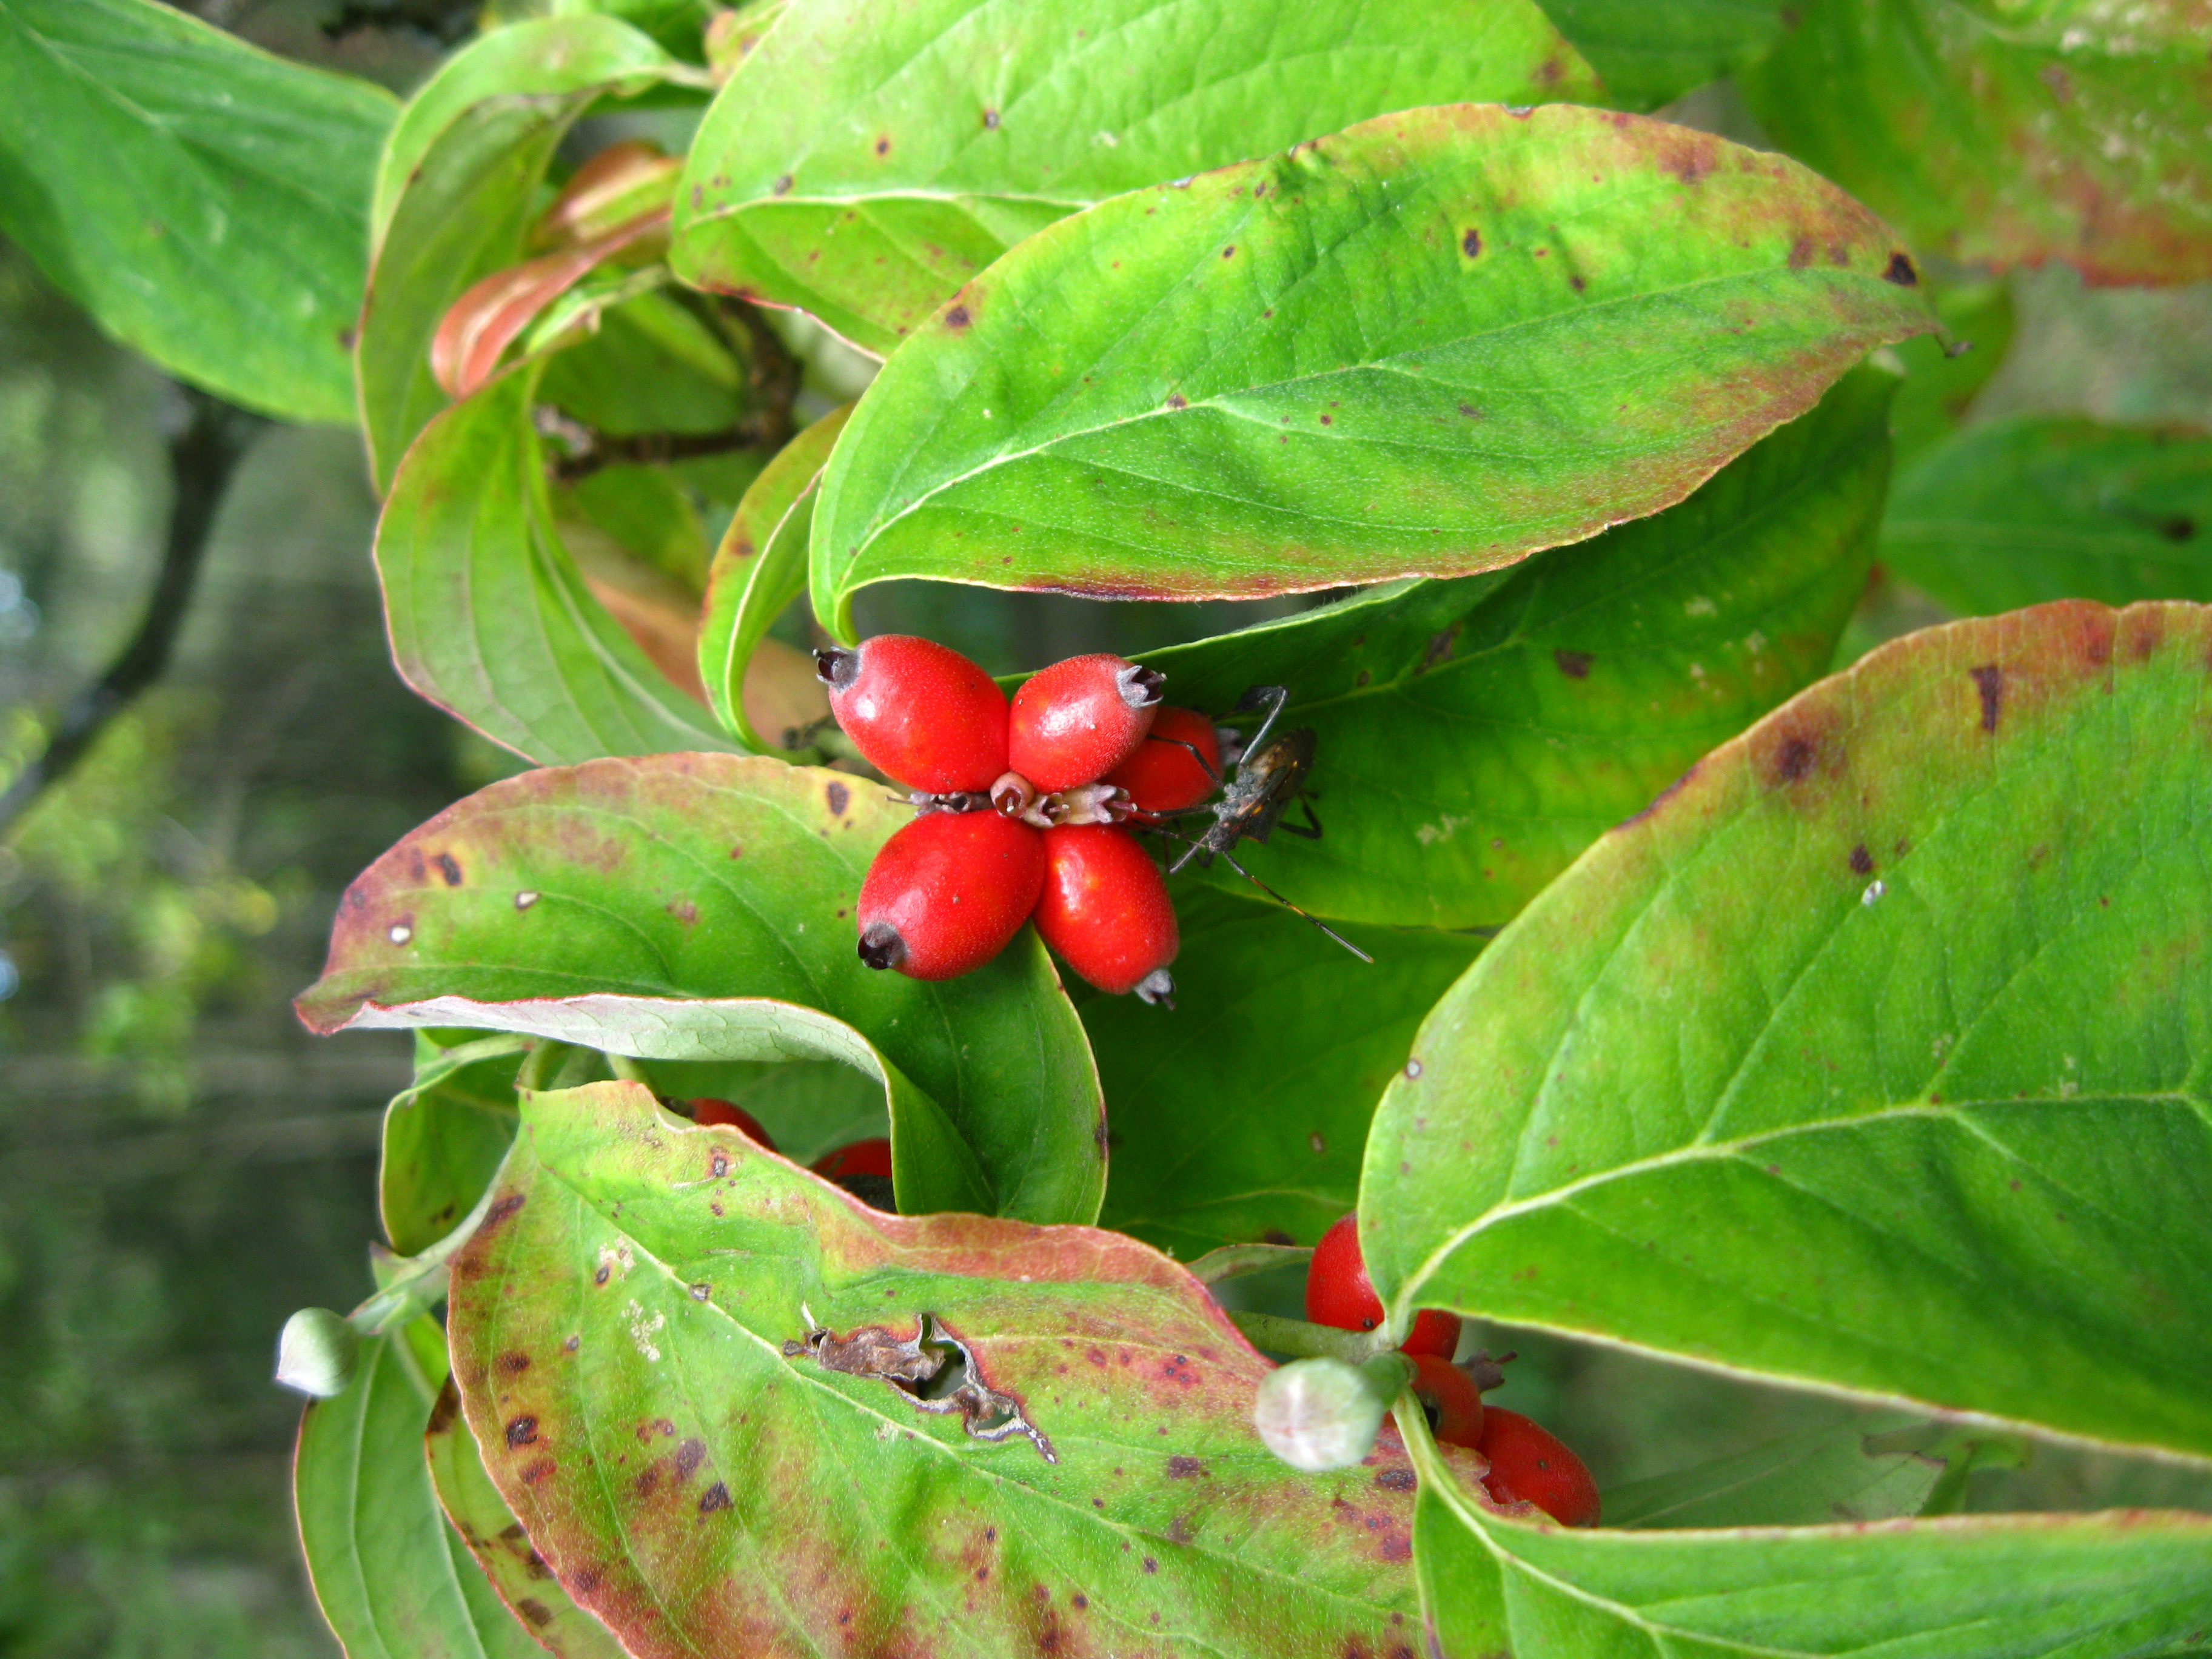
<point>759,570</point>
<point>1871,1057</point>
<point>649,1339</point>
<point>500,1546</point>
<point>1242,1112</point>
<point>205,202</point>
<point>2065,129</point>
<point>687,879</point>
<point>491,620</point>
<point>868,163</point>
<point>1428,346</point>
<point>394,1580</point>
<point>445,1134</point>
<point>2047,506</point>
<point>933,1168</point>
<point>551,57</point>
<point>456,190</point>
<point>650,366</point>
<point>1999,1587</point>
<point>1651,54</point>
<point>1939,386</point>
<point>1875,1466</point>
<point>1473,737</point>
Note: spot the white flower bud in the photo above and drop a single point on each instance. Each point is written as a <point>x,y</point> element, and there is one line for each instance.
<point>1318,1414</point>
<point>317,1353</point>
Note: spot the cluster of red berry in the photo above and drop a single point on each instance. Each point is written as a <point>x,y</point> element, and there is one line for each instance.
<point>1021,809</point>
<point>1526,1461</point>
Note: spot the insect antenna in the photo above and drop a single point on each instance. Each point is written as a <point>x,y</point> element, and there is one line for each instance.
<point>1229,859</point>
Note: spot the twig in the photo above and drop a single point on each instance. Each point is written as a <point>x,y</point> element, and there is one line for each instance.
<point>202,459</point>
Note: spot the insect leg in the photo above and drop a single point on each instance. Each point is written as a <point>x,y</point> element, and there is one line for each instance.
<point>1270,697</point>
<point>1203,765</point>
<point>1288,828</point>
<point>1231,861</point>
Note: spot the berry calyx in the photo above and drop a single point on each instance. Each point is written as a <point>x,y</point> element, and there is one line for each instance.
<point>923,715</point>
<point>1339,1293</point>
<point>1105,908</point>
<point>1164,775</point>
<point>709,1111</point>
<point>1528,1463</point>
<point>1451,1399</point>
<point>1077,720</point>
<point>946,893</point>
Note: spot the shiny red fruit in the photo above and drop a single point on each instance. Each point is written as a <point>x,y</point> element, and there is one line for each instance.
<point>1340,1293</point>
<point>1451,1397</point>
<point>1528,1461</point>
<point>711,1111</point>
<point>923,715</point>
<point>1105,908</point>
<point>1074,722</point>
<point>947,892</point>
<point>1165,776</point>
<point>862,1157</point>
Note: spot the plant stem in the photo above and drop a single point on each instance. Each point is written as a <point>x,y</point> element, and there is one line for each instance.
<point>203,456</point>
<point>1233,1261</point>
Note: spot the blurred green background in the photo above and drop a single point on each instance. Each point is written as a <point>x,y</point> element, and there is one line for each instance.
<point>181,1165</point>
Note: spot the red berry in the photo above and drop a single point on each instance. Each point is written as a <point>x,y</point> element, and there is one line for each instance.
<point>1105,908</point>
<point>1165,776</point>
<point>862,1157</point>
<point>923,715</point>
<point>1340,1293</point>
<point>1077,720</point>
<point>722,1111</point>
<point>1528,1461</point>
<point>1451,1394</point>
<point>947,891</point>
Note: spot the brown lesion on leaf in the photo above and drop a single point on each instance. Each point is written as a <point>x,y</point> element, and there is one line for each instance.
<point>1575,664</point>
<point>449,868</point>
<point>933,1369</point>
<point>1989,685</point>
<point>1899,271</point>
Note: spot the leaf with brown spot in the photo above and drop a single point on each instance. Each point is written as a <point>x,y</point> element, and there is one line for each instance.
<point>1941,1135</point>
<point>2073,130</point>
<point>477,1511</point>
<point>976,457</point>
<point>993,1098</point>
<point>1007,119</point>
<point>1258,1558</point>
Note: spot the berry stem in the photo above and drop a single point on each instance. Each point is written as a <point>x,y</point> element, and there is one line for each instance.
<point>1306,1340</point>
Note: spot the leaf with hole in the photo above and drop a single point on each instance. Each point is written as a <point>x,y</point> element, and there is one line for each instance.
<point>1009,1437</point>
<point>2069,129</point>
<point>205,201</point>
<point>657,907</point>
<point>2051,507</point>
<point>1472,738</point>
<point>1429,345</point>
<point>1871,1057</point>
<point>869,162</point>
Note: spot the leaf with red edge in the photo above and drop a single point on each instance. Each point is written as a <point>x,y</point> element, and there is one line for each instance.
<point>1429,345</point>
<point>2069,129</point>
<point>678,1352</point>
<point>491,316</point>
<point>655,907</point>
